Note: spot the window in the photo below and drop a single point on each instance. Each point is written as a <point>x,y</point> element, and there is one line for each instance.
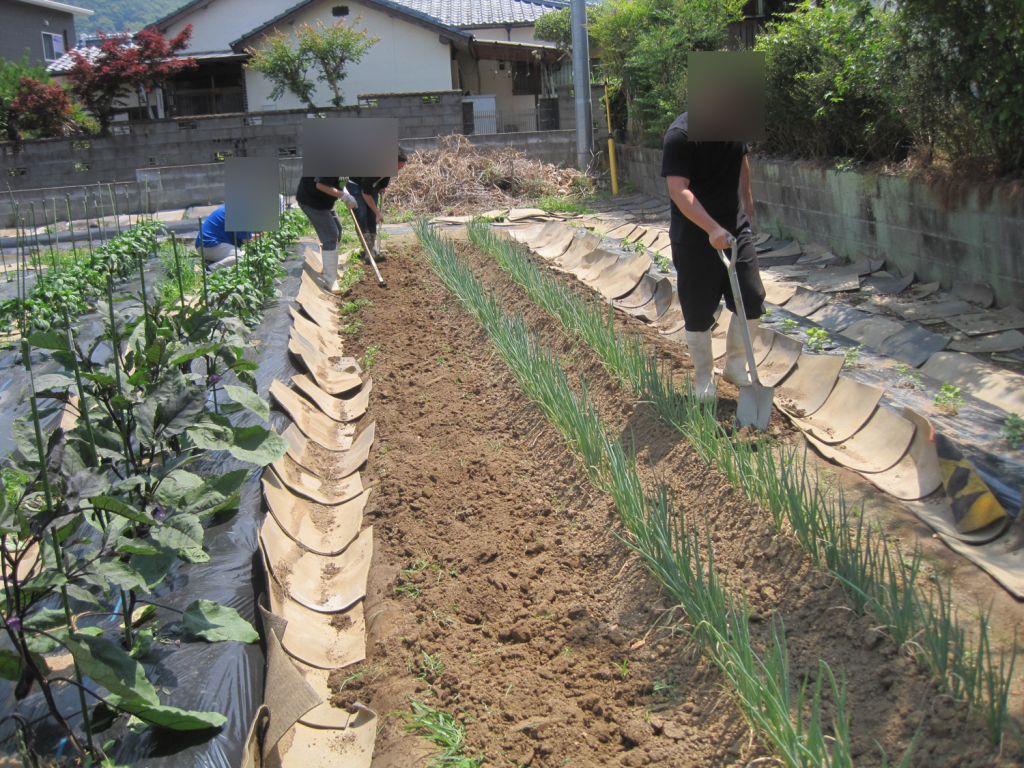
<point>53,46</point>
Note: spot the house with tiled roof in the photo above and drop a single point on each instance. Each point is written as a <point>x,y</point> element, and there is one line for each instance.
<point>483,48</point>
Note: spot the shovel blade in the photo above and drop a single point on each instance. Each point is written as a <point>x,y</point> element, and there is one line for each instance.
<point>755,406</point>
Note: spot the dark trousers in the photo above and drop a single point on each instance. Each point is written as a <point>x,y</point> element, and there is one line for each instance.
<point>366,218</point>
<point>327,226</point>
<point>704,280</point>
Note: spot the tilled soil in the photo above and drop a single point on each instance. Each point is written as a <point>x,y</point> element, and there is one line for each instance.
<point>500,592</point>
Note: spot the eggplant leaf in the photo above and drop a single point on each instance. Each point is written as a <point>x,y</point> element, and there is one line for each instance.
<point>215,623</point>
<point>250,400</point>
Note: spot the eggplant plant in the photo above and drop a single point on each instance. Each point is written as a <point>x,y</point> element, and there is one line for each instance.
<point>95,514</point>
<point>75,285</point>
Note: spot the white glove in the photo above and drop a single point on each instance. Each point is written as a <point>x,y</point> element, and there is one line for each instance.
<point>348,200</point>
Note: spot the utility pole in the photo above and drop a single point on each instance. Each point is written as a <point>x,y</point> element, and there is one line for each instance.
<point>581,82</point>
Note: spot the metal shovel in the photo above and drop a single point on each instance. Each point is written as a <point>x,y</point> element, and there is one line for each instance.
<point>755,406</point>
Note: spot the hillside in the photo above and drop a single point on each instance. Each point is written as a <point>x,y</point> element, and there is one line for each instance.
<point>119,15</point>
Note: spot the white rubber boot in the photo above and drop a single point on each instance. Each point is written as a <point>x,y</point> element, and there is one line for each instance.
<point>704,386</point>
<point>330,259</point>
<point>736,352</point>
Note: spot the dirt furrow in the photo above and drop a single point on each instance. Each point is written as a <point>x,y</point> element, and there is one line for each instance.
<point>500,593</point>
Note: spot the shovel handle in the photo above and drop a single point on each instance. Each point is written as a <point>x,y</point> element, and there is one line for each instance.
<point>734,281</point>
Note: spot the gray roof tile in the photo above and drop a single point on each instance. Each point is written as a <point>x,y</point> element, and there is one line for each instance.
<point>471,13</point>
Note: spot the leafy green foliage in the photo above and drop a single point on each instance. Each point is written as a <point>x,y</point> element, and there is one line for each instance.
<point>1013,431</point>
<point>73,287</point>
<point>865,81</point>
<point>829,83</point>
<point>968,56</point>
<point>11,75</point>
<point>328,51</point>
<point>104,508</point>
<point>556,27</point>
<point>851,355</point>
<point>909,377</point>
<point>948,399</point>
<point>817,338</point>
<point>645,46</point>
<point>216,623</point>
<point>370,357</point>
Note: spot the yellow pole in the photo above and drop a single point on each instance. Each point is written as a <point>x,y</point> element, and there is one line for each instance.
<point>611,142</point>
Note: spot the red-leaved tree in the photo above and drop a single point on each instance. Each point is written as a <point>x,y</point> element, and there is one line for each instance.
<point>121,67</point>
<point>42,107</point>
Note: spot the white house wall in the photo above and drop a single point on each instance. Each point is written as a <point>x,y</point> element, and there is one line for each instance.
<point>407,59</point>
<point>499,82</point>
<point>216,25</point>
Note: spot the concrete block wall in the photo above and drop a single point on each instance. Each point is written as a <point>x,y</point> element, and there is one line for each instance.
<point>567,112</point>
<point>179,186</point>
<point>641,167</point>
<point>899,218</point>
<point>202,140</point>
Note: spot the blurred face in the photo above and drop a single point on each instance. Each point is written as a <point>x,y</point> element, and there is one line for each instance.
<point>725,91</point>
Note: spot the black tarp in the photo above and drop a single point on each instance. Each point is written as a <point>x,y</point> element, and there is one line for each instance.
<point>224,677</point>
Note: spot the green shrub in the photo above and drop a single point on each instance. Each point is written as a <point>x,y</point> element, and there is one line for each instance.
<point>851,79</point>
<point>828,84</point>
<point>644,47</point>
<point>971,54</point>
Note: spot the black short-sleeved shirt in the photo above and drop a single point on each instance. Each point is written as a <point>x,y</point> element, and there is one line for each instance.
<point>713,168</point>
<point>308,194</point>
<point>371,186</point>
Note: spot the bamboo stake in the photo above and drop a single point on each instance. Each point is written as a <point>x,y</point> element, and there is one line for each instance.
<point>113,205</point>
<point>58,555</point>
<point>71,228</point>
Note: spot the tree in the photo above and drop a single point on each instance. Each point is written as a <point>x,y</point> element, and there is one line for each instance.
<point>42,108</point>
<point>11,75</point>
<point>102,82</point>
<point>326,50</point>
<point>975,49</point>
<point>644,45</point>
<point>556,27</point>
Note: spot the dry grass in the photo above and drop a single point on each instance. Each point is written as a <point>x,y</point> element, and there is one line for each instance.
<point>458,178</point>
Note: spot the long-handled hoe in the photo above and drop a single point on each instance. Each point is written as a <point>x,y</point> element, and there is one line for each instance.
<point>366,248</point>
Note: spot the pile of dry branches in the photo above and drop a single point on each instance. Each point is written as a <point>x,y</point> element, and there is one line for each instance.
<point>458,178</point>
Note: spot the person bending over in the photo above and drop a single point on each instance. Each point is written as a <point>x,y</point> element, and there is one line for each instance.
<point>709,183</point>
<point>316,197</point>
<point>217,246</point>
<point>366,190</point>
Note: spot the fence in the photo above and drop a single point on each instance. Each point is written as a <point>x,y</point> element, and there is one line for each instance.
<point>506,121</point>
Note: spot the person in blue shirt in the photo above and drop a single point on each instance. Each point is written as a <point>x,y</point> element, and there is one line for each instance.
<point>218,246</point>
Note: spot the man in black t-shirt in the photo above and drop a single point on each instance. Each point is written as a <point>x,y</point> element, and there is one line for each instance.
<point>316,197</point>
<point>366,190</point>
<point>709,183</point>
